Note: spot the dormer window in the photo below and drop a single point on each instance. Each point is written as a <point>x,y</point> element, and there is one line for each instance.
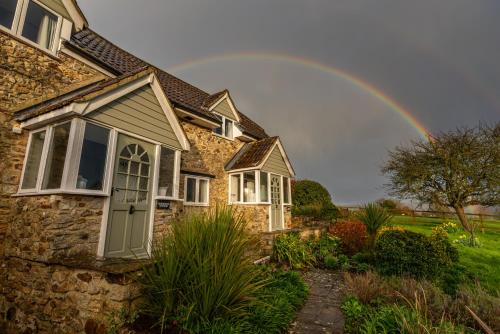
<point>32,22</point>
<point>226,130</point>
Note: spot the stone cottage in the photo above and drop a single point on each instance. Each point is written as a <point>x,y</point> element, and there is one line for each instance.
<point>100,152</point>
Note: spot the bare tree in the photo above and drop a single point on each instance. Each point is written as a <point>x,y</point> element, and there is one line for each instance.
<point>455,169</point>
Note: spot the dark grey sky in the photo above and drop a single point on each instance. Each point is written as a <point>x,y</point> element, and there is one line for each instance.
<point>439,59</point>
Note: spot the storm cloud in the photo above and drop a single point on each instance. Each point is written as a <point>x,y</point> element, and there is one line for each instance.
<point>439,59</point>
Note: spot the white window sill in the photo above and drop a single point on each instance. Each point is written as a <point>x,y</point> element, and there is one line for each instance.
<point>249,203</point>
<point>61,192</point>
<point>196,204</point>
<point>223,137</point>
<point>166,198</point>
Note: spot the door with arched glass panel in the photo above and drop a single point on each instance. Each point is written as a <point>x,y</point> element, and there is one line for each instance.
<point>129,212</point>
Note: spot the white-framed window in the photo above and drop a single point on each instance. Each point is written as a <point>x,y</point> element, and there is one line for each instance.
<point>196,190</point>
<point>168,167</point>
<point>226,130</point>
<point>253,187</point>
<point>249,187</point>
<point>31,21</point>
<point>70,156</point>
<point>287,195</point>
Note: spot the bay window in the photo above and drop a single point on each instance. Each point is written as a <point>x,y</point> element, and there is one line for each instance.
<point>249,187</point>
<point>196,191</point>
<point>31,21</point>
<point>68,157</point>
<point>253,187</point>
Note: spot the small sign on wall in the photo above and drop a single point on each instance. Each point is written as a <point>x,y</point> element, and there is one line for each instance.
<point>163,204</point>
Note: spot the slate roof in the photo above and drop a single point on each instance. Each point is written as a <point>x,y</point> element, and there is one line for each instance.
<point>181,93</point>
<point>251,154</point>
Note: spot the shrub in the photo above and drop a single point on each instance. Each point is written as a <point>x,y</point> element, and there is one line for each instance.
<point>326,245</point>
<point>200,273</point>
<point>331,262</point>
<point>311,199</point>
<point>369,288</point>
<point>291,250</point>
<point>374,290</point>
<point>374,217</point>
<point>276,304</point>
<point>352,235</point>
<point>353,310</point>
<point>413,254</point>
<point>306,192</point>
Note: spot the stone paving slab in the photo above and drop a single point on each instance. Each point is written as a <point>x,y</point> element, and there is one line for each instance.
<point>321,312</point>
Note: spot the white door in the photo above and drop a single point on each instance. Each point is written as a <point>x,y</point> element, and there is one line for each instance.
<point>276,203</point>
<point>129,212</point>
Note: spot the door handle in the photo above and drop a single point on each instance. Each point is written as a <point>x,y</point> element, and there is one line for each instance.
<point>131,210</point>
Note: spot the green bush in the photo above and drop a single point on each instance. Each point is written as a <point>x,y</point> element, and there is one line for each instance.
<point>311,199</point>
<point>331,262</point>
<point>413,254</point>
<point>200,273</point>
<point>353,311</point>
<point>306,192</point>
<point>326,245</point>
<point>277,304</point>
<point>291,250</point>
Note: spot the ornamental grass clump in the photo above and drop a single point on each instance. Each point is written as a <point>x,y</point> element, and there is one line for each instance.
<point>291,250</point>
<point>200,273</point>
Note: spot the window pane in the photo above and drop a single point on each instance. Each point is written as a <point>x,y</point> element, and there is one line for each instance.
<point>229,129</point>
<point>203,191</point>
<point>167,167</point>
<point>235,188</point>
<point>190,190</point>
<point>33,160</point>
<point>40,25</point>
<point>56,157</point>
<point>218,130</point>
<point>249,187</point>
<point>286,192</point>
<point>93,158</point>
<point>264,183</point>
<point>7,12</point>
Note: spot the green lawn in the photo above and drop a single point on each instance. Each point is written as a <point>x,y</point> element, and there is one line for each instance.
<point>483,262</point>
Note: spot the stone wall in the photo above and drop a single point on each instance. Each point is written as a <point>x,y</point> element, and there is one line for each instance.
<point>209,153</point>
<point>53,228</point>
<point>41,298</point>
<point>27,76</point>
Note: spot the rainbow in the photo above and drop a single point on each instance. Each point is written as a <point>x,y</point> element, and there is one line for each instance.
<point>313,64</point>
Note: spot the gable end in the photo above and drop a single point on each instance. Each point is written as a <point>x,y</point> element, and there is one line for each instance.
<point>138,112</point>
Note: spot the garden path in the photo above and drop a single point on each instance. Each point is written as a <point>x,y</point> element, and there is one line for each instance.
<point>321,312</point>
